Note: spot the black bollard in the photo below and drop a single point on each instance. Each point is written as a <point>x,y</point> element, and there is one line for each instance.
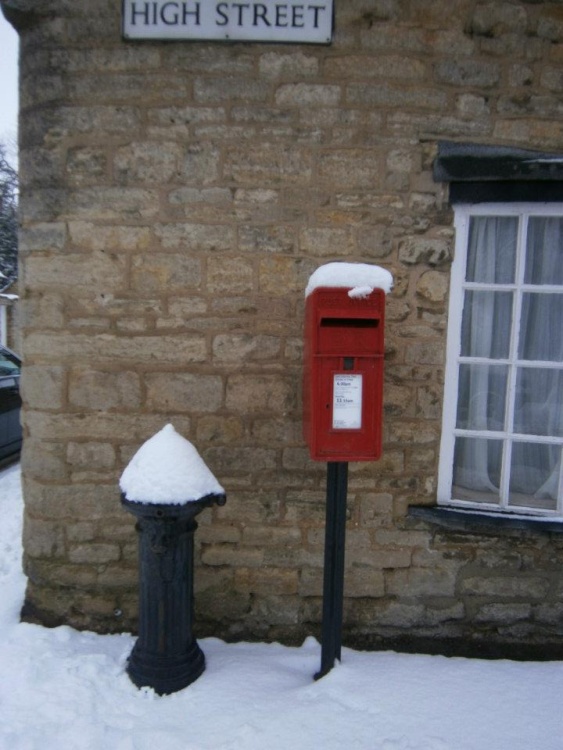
<point>166,655</point>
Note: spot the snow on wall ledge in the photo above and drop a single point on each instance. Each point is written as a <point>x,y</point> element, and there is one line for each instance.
<point>168,470</point>
<point>361,278</point>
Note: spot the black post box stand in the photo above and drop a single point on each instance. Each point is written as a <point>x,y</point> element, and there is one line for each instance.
<point>166,655</point>
<point>333,585</point>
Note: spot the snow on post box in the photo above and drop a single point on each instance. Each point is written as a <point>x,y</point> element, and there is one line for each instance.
<point>343,368</point>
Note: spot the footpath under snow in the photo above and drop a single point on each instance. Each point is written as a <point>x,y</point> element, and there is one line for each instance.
<point>64,690</point>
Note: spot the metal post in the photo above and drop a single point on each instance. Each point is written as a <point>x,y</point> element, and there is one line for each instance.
<point>166,656</point>
<point>333,587</point>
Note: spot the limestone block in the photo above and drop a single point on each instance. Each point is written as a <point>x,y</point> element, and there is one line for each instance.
<point>425,353</point>
<point>94,553</point>
<point>380,66</point>
<point>268,581</point>
<point>42,236</point>
<point>193,197</point>
<point>244,347</point>
<point>42,386</point>
<point>177,119</point>
<point>195,237</point>
<point>83,531</point>
<point>401,615</point>
<point>91,455</point>
<point>43,538</point>
<point>254,505</point>
<point>160,272</point>
<point>252,394</point>
<point>308,95</point>
<point>351,168</point>
<point>112,203</point>
<point>552,79</point>
<point>44,461</point>
<point>201,163</point>
<point>495,19</point>
<point>430,250</point>
<point>101,270</point>
<point>505,586</point>
<point>230,275</point>
<point>183,392</point>
<point>219,430</point>
<point>470,105</point>
<point>232,555</point>
<point>503,613</point>
<point>119,58</point>
<point>311,581</point>
<point>111,349</point>
<point>325,241</point>
<point>101,118</point>
<point>228,88</point>
<point>271,537</point>
<point>387,95</point>
<point>433,286</point>
<point>265,162</point>
<point>468,73</point>
<point>429,401</point>
<point>104,391</point>
<point>281,275</point>
<point>288,65</point>
<point>271,239</point>
<point>147,162</point>
<point>422,582</point>
<point>241,460</point>
<point>550,24</point>
<point>268,611</point>
<point>86,165</point>
<point>363,581</point>
<point>41,306</point>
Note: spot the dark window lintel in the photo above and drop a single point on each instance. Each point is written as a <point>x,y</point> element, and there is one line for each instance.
<point>471,162</point>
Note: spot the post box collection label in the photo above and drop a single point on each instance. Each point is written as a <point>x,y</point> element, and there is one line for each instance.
<point>347,402</point>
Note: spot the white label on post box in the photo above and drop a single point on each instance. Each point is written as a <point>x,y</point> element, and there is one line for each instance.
<point>347,402</point>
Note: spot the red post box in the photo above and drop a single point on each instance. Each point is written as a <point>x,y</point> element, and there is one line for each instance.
<point>343,374</point>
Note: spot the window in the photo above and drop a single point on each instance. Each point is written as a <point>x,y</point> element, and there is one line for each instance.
<point>502,435</point>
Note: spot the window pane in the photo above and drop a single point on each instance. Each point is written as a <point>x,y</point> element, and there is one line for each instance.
<point>477,466</point>
<point>534,475</point>
<point>491,256</point>
<point>540,329</point>
<point>544,251</point>
<point>482,397</point>
<point>508,432</point>
<point>538,402</point>
<point>486,324</point>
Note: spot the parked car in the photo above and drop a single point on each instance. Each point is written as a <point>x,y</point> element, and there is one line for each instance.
<point>10,403</point>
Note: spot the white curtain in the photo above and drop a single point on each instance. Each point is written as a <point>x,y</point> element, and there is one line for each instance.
<point>486,331</point>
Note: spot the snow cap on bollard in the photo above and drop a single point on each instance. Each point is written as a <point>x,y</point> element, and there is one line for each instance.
<point>168,470</point>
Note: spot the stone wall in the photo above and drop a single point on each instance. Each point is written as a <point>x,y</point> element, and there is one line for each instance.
<point>175,199</point>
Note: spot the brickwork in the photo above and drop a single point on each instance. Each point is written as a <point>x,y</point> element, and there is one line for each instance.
<point>175,199</point>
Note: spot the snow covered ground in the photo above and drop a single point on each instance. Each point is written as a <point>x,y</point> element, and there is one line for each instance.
<point>64,690</point>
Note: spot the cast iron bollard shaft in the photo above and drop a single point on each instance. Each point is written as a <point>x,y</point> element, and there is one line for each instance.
<point>333,587</point>
<point>166,655</point>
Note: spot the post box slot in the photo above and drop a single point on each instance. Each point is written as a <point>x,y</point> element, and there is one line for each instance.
<point>349,322</point>
<point>349,336</point>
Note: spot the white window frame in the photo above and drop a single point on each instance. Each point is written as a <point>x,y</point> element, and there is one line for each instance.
<point>463,214</point>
